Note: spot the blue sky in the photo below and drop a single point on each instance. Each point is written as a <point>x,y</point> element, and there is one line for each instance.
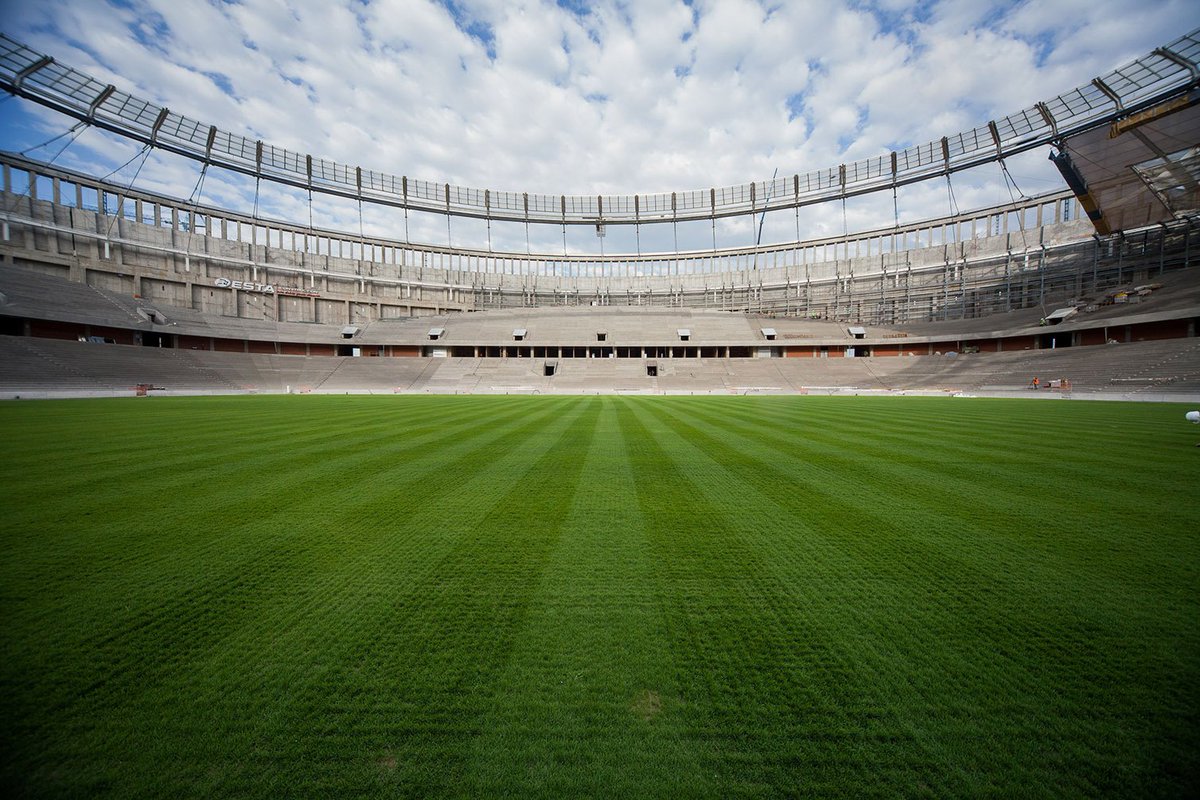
<point>582,97</point>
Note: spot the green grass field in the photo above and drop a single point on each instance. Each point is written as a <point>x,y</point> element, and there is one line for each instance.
<point>598,596</point>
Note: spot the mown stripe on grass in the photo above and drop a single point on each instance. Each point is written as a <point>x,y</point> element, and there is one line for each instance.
<point>591,683</point>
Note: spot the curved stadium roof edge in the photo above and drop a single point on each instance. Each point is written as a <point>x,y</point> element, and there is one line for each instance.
<point>1165,72</point>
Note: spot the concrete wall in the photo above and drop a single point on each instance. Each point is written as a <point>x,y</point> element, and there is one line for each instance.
<point>978,263</point>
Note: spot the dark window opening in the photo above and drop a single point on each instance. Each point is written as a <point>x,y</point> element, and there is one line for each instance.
<point>1053,341</point>
<point>152,339</point>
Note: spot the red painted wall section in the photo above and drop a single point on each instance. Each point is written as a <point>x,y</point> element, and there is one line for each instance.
<point>1153,331</point>
<point>49,329</point>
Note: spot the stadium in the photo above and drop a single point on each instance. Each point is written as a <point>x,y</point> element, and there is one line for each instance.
<point>301,508</point>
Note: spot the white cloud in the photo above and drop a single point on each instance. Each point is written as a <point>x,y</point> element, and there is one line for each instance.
<point>651,96</point>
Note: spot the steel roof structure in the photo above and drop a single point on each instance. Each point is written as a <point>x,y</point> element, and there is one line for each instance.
<point>1164,73</point>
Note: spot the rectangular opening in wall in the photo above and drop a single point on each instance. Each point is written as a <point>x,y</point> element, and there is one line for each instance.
<point>155,339</point>
<point>549,368</point>
<point>519,334</point>
<point>685,334</point>
<point>652,370</point>
<point>436,333</point>
<point>768,334</point>
<point>601,336</point>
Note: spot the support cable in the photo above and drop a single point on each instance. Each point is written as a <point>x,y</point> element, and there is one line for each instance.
<point>675,232</point>
<point>763,218</point>
<point>362,239</point>
<point>1016,197</point>
<point>312,273</point>
<point>145,154</point>
<point>145,149</point>
<point>954,212</point>
<point>73,132</point>
<point>194,201</point>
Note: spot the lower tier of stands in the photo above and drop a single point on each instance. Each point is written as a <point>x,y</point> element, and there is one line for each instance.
<point>32,367</point>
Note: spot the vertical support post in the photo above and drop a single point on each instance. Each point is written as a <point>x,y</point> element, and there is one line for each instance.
<point>1162,249</point>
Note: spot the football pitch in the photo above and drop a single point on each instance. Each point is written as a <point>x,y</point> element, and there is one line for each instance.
<point>598,596</point>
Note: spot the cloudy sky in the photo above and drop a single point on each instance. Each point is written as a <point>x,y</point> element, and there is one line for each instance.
<point>581,97</point>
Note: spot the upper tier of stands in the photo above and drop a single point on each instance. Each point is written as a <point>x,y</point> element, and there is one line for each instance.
<point>26,293</point>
